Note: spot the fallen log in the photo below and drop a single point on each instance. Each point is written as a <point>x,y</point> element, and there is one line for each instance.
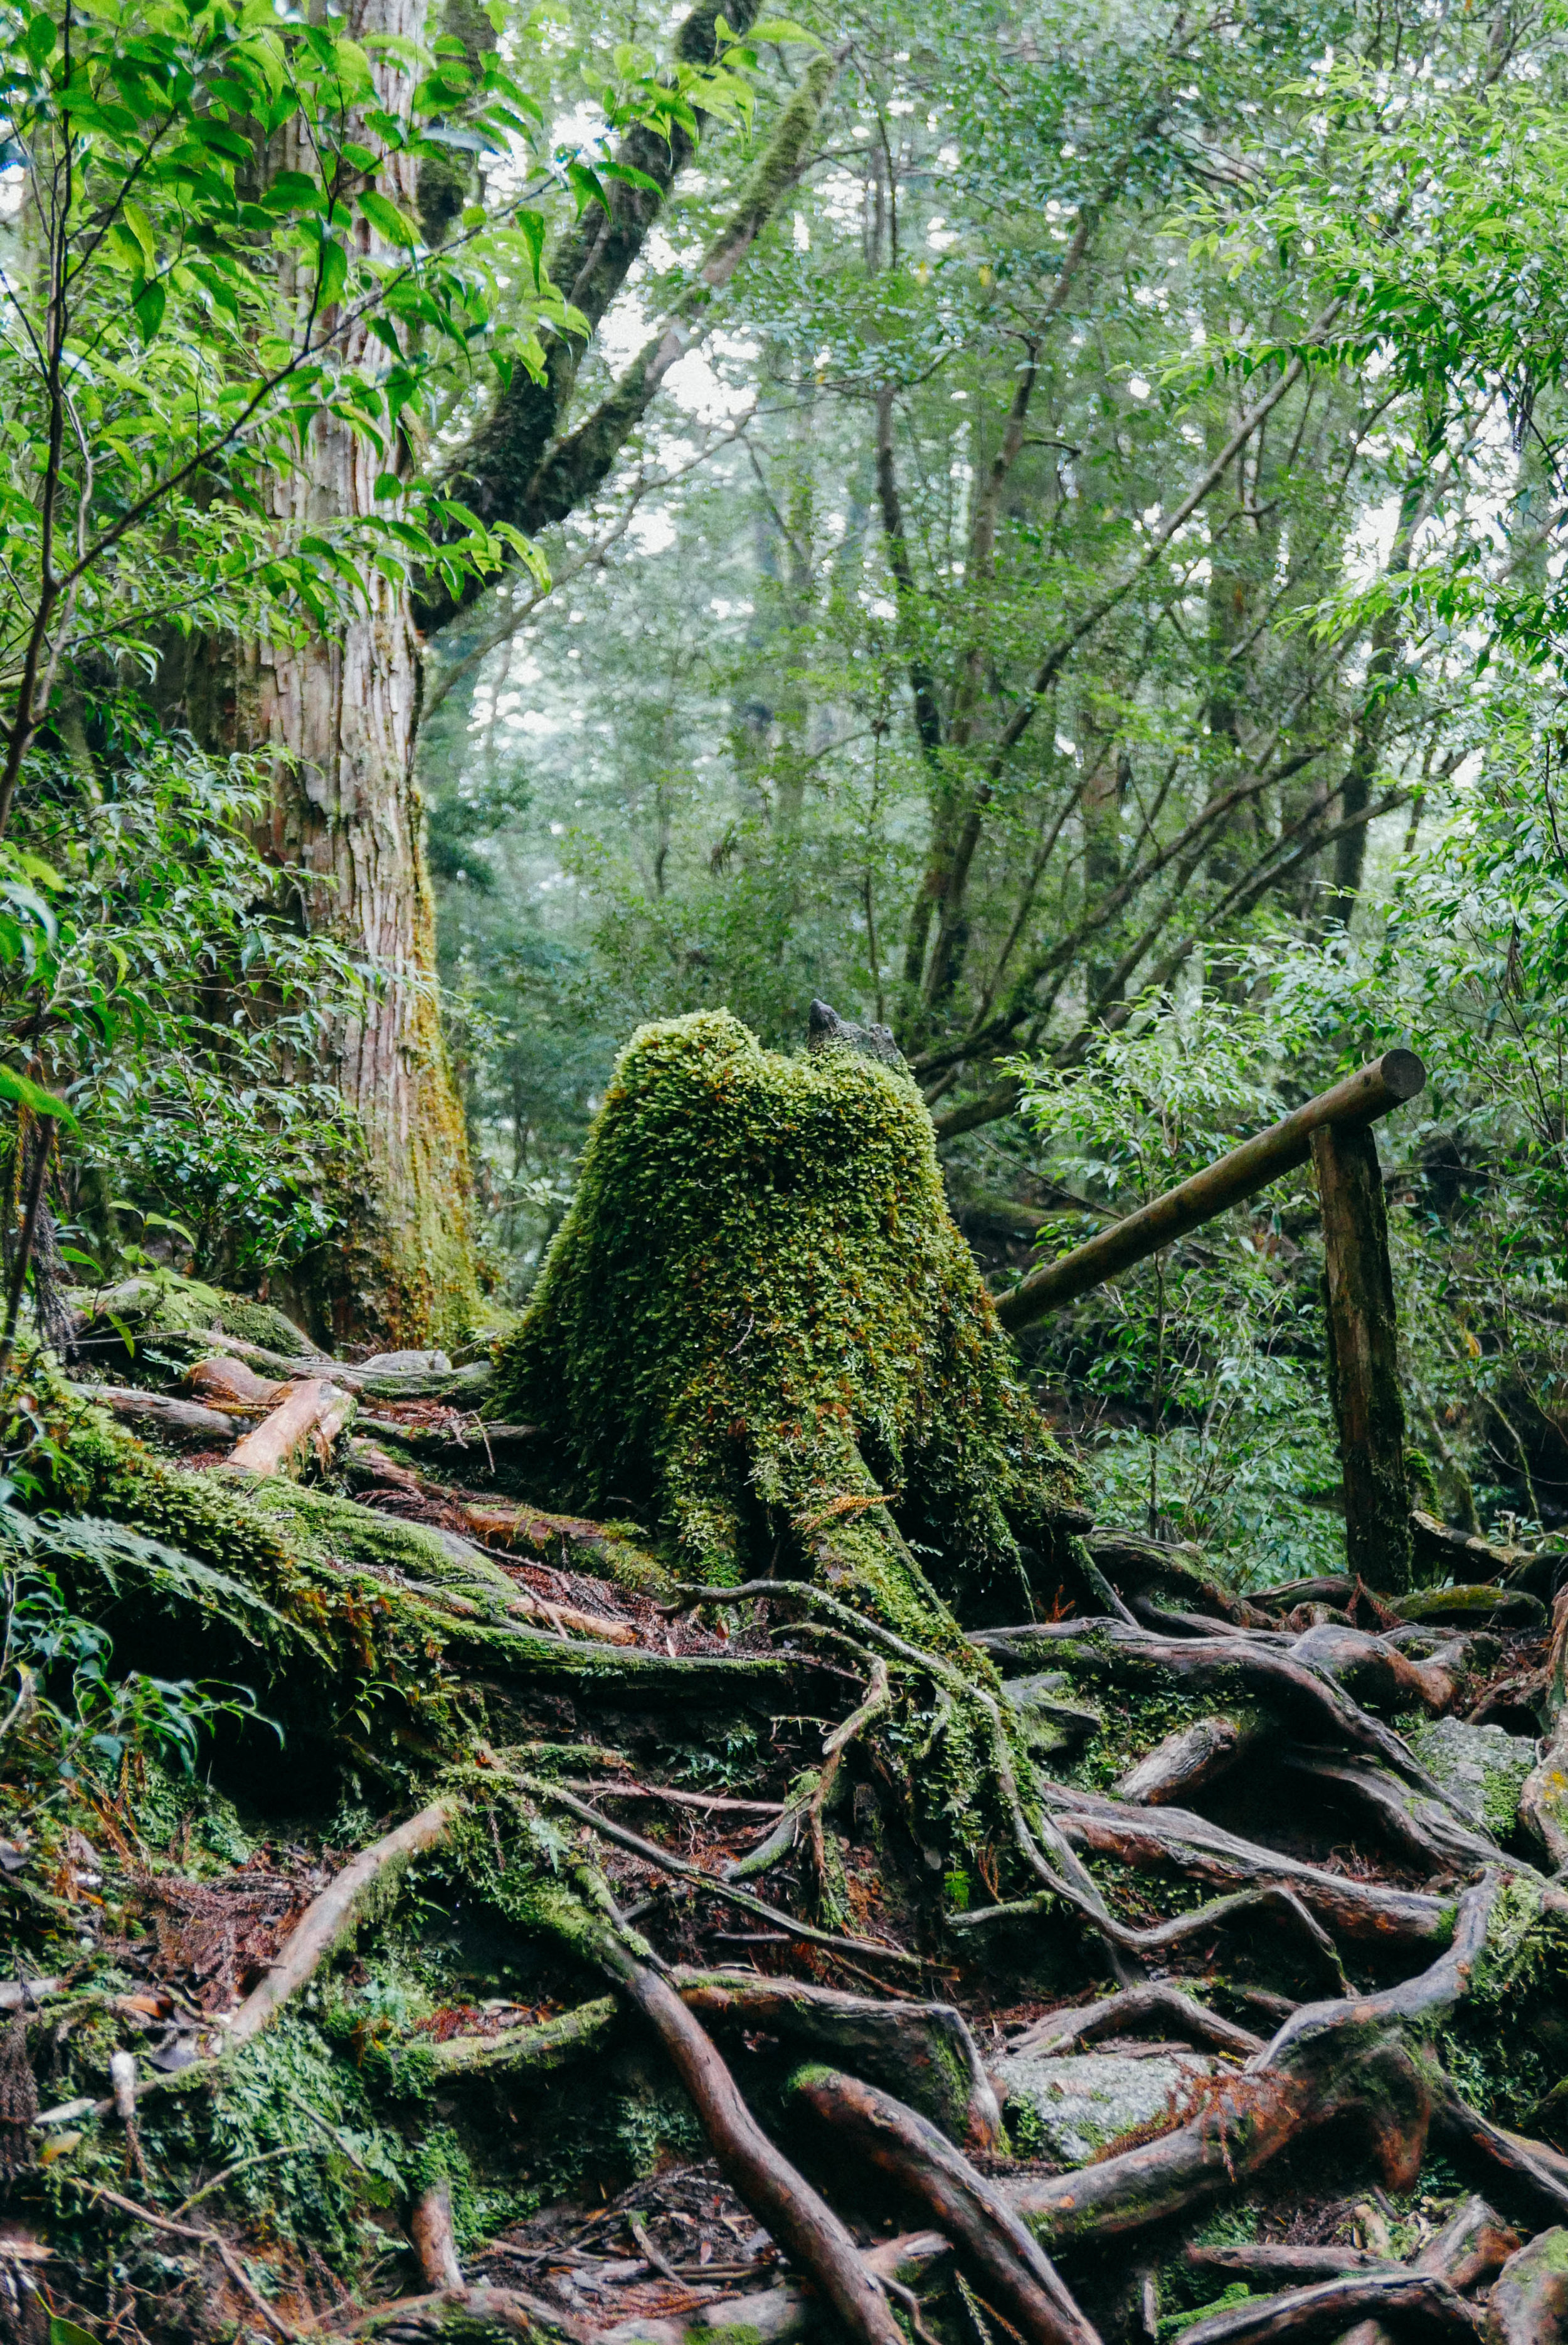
<point>999,2255</point>
<point>430,2228</point>
<point>185,1422</point>
<point>350,1899</point>
<point>305,1426</point>
<point>223,1382</point>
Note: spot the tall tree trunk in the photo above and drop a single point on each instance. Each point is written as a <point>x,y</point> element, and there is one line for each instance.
<point>343,709</point>
<point>346,809</point>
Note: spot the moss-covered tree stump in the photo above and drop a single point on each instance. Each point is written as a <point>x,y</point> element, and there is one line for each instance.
<point>760,1326</point>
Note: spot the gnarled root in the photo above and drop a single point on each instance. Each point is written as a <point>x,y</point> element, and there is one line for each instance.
<point>777,2194</point>
<point>1340,2059</point>
<point>999,2255</point>
<point>1163,2006</point>
<point>1325,2311</point>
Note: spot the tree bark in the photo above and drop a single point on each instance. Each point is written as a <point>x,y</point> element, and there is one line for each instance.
<point>1363,1357</point>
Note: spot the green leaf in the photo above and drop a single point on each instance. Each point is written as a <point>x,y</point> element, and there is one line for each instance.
<point>39,42</point>
<point>632,177</point>
<point>587,187</point>
<point>384,215</point>
<point>782,28</point>
<point>149,307</point>
<point>334,266</point>
<point>31,1095</point>
<point>66,2332</point>
<point>531,229</point>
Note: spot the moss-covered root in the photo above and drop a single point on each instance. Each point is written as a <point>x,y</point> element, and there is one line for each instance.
<point>1530,2296</point>
<point>1365,2061</point>
<point>759,1314</point>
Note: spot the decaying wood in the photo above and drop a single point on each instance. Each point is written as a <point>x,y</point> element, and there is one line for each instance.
<point>305,1426</point>
<point>999,2254</point>
<point>1188,1759</point>
<point>430,2228</point>
<point>222,1382</point>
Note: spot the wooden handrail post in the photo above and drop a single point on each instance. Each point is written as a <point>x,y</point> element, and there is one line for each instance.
<point>1363,1355</point>
<point>1335,1130</point>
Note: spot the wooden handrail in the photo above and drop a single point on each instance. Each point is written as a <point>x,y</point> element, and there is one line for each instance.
<point>1381,1084</point>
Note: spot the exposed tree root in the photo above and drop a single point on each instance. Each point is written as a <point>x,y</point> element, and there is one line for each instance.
<point>927,2048</point>
<point>1333,2305</point>
<point>1164,2006</point>
<point>993,2247</point>
<point>1529,2300</point>
<point>552,1795</point>
<point>366,1881</point>
<point>779,2197</point>
<point>1173,1836</point>
<point>1348,2059</point>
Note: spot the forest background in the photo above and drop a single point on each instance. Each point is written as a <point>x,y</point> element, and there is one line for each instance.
<point>1040,526</point>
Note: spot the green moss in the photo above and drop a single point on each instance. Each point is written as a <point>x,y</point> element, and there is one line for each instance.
<point>332,1643</point>
<point>1506,2043</point>
<point>163,1303</point>
<point>759,1315</point>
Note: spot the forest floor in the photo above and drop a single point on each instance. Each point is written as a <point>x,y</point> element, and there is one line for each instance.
<point>1272,2046</point>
